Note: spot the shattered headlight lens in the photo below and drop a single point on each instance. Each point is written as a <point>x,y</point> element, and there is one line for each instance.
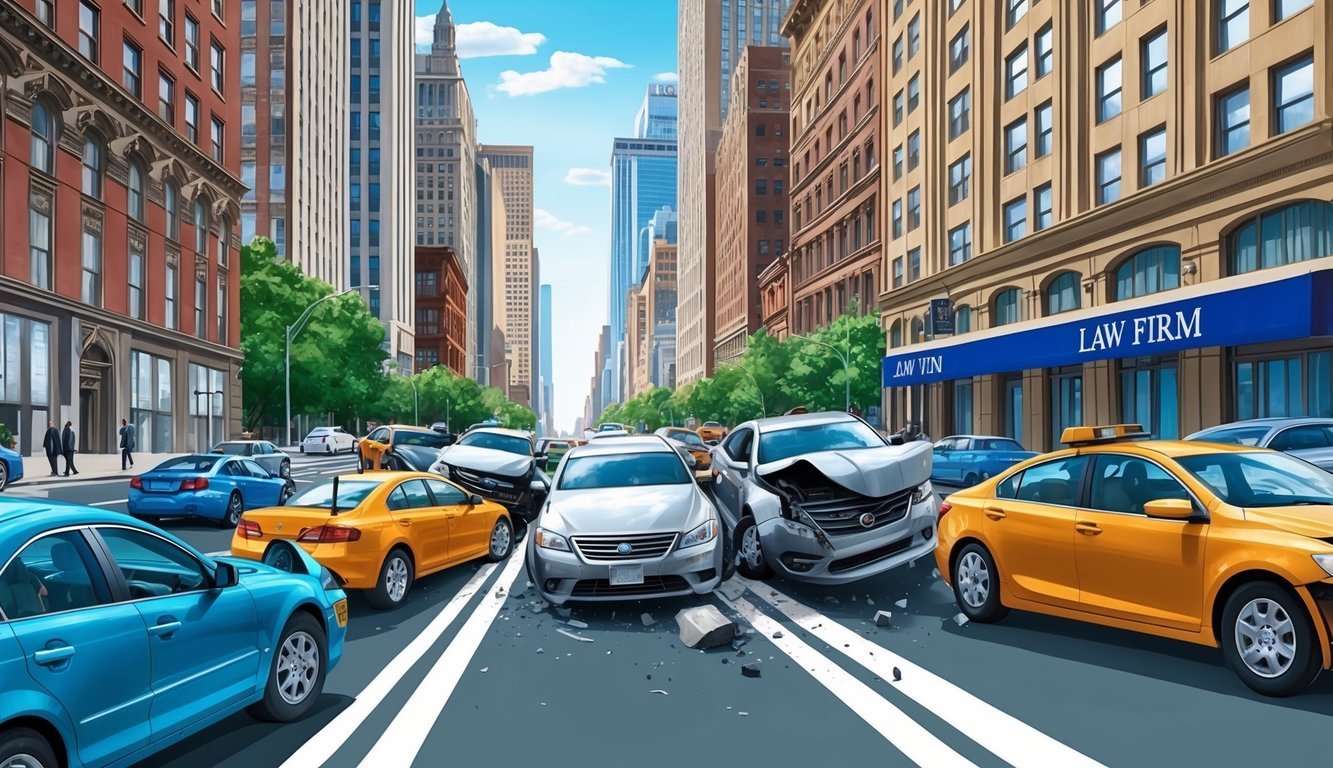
<point>923,492</point>
<point>1325,562</point>
<point>548,540</point>
<point>701,535</point>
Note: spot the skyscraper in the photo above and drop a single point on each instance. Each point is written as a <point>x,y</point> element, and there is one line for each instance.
<point>657,116</point>
<point>511,168</point>
<point>545,362</point>
<point>381,203</point>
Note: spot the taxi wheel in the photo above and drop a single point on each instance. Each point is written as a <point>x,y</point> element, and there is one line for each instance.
<point>976,584</point>
<point>296,677</point>
<point>1268,639</point>
<point>26,747</point>
<point>502,540</point>
<point>395,581</point>
<point>750,560</point>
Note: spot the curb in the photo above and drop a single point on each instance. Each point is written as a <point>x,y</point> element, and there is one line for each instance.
<point>80,478</point>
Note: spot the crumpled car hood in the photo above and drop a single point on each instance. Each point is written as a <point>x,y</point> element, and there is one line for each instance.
<point>626,510</point>
<point>871,472</point>
<point>486,460</point>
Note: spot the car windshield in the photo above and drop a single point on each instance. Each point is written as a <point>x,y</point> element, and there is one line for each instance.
<point>623,470</point>
<point>688,438</point>
<point>232,449</point>
<point>427,439</point>
<point>188,464</point>
<point>1253,436</point>
<point>813,438</point>
<point>497,442</point>
<point>1261,479</point>
<point>712,424</point>
<point>350,494</point>
<point>319,431</point>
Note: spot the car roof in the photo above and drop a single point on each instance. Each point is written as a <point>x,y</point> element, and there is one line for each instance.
<point>502,431</point>
<point>1271,422</point>
<point>28,518</point>
<point>978,437</point>
<point>1170,448</point>
<point>618,444</point>
<point>241,442</point>
<point>803,420</point>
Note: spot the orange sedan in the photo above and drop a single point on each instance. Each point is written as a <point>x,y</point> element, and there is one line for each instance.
<point>1212,544</point>
<point>380,532</point>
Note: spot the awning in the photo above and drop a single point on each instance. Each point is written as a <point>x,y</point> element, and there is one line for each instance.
<point>1292,302</point>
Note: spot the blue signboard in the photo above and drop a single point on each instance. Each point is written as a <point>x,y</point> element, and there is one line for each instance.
<point>941,317</point>
<point>1291,308</point>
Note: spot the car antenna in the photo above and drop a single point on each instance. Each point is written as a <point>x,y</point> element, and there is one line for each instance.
<point>333,510</point>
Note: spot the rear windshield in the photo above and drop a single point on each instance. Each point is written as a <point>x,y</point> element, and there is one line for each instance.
<point>507,443</point>
<point>428,439</point>
<point>712,424</point>
<point>189,463</point>
<point>232,449</point>
<point>1252,436</point>
<point>350,494</point>
<point>838,436</point>
<point>624,470</point>
<point>686,437</point>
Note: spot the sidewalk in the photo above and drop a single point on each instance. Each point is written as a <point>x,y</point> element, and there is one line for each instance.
<point>91,466</point>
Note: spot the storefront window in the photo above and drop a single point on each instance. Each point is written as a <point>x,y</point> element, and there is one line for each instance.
<point>1062,294</point>
<point>1295,385</point>
<point>207,400</point>
<point>1011,392</point>
<point>962,405</point>
<point>1148,271</point>
<point>1149,395</point>
<point>1066,401</point>
<point>1298,232</point>
<point>150,402</point>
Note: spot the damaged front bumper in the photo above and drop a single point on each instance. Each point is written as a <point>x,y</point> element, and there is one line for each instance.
<point>564,576</point>
<point>805,553</point>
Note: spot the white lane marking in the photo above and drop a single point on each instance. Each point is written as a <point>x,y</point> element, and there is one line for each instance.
<point>1009,738</point>
<point>401,742</point>
<point>322,746</point>
<point>107,503</point>
<point>918,744</point>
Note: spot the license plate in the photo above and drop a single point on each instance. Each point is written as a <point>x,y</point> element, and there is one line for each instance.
<point>340,609</point>
<point>626,575</point>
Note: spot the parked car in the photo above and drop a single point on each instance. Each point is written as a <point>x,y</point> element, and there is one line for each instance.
<point>442,427</point>
<point>1308,439</point>
<point>712,432</point>
<point>823,497</point>
<point>381,531</point>
<point>555,448</point>
<point>212,486</point>
<point>694,444</point>
<point>11,467</point>
<point>625,519</point>
<point>613,426</point>
<point>1203,542</point>
<point>120,640</point>
<point>328,440</point>
<point>402,448</point>
<point>965,460</point>
<point>498,464</point>
<point>264,453</point>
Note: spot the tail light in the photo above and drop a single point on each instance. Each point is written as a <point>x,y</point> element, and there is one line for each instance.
<point>136,483</point>
<point>249,529</point>
<point>194,484</point>
<point>944,509</point>
<point>324,439</point>
<point>330,534</point>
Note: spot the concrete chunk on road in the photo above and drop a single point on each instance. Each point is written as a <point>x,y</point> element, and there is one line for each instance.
<point>883,619</point>
<point>705,627</point>
<point>647,619</point>
<point>750,670</point>
<point>731,589</point>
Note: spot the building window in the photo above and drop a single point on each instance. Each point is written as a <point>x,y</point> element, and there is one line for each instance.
<point>218,8</point>
<point>913,208</point>
<point>92,267</point>
<point>1147,272</point>
<point>40,155</point>
<point>959,48</point>
<point>1293,233</point>
<point>166,98</point>
<point>132,77</point>
<point>960,177</point>
<point>898,273</point>
<point>171,202</point>
<point>1108,14</point>
<point>914,265</point>
<point>960,244</point>
<point>217,64</point>
<point>913,93</point>
<point>1293,94</point>
<point>1296,385</point>
<point>1016,72</point>
<point>1284,8</point>
<point>1152,157</point>
<point>1008,307</point>
<point>1233,23</point>
<point>94,166</point>
<point>191,118</point>
<point>1041,204</point>
<point>1066,401</point>
<point>46,12</point>
<point>897,108</point>
<point>1108,176</point>
<point>962,400</point>
<point>222,313</point>
<point>1015,10</point>
<point>39,243</point>
<point>191,42</point>
<point>150,401</point>
<point>1016,145</point>
<point>913,149</point>
<point>897,54</point>
<point>137,207</point>
<point>914,36</point>
<point>1045,44</point>
<point>898,162</point>
<point>90,19</point>
<point>1233,121</point>
<point>960,108</point>
<point>1015,219</point>
<point>216,137</point>
<point>1152,50</point>
<point>200,227</point>
<point>166,21</point>
<point>169,295</point>
<point>897,219</point>
<point>1109,88</point>
<point>1149,395</point>
<point>224,241</point>
<point>200,306</point>
<point>136,278</point>
<point>1062,295</point>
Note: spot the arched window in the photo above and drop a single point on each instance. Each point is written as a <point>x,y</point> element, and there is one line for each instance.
<point>171,201</point>
<point>1296,232</point>
<point>200,226</point>
<point>918,330</point>
<point>136,191</point>
<point>962,319</point>
<point>43,138</point>
<point>1007,307</point>
<point>93,166</point>
<point>1062,294</point>
<point>1148,271</point>
<point>224,240</point>
<point>896,334</point>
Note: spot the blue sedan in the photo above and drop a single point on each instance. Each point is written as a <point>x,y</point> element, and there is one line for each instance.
<point>118,639</point>
<point>11,467</point>
<point>211,486</point>
<point>965,460</point>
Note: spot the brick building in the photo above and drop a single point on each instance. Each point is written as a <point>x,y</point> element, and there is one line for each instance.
<point>441,319</point>
<point>775,297</point>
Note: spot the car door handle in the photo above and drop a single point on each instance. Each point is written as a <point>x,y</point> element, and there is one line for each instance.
<point>165,628</point>
<point>995,513</point>
<point>405,521</point>
<point>53,656</point>
<point>1087,529</point>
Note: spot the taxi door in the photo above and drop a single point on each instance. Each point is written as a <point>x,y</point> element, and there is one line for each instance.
<point>1030,525</point>
<point>469,525</point>
<point>425,525</point>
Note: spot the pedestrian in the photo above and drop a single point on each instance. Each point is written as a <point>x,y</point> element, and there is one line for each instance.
<point>67,447</point>
<point>127,444</point>
<point>52,446</point>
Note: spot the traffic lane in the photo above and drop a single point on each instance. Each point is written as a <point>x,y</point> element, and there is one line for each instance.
<point>1078,682</point>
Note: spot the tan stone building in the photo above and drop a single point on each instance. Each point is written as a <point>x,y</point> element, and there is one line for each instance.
<point>836,252</point>
<point>751,196</point>
<point>1126,205</point>
<point>511,167</point>
<point>651,342</point>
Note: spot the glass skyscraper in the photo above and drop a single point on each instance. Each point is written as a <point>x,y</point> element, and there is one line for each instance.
<point>657,116</point>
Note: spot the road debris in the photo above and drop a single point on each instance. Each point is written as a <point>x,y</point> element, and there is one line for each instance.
<point>484,670</point>
<point>576,624</point>
<point>541,650</point>
<point>563,612</point>
<point>750,670</point>
<point>732,589</point>
<point>883,618</point>
<point>659,690</point>
<point>569,634</point>
<point>901,603</point>
<point>935,573</point>
<point>897,674</point>
<point>870,601</point>
<point>778,635</point>
<point>704,627</point>
<point>831,600</point>
<point>960,619</point>
<point>647,619</point>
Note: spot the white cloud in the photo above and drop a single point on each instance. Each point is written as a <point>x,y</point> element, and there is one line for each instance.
<point>478,39</point>
<point>546,220</point>
<point>567,70</point>
<point>588,177</point>
<point>666,77</point>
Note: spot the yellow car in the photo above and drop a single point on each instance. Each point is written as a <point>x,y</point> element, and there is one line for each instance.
<point>383,531</point>
<point>703,459</point>
<point>1206,543</point>
<point>712,432</point>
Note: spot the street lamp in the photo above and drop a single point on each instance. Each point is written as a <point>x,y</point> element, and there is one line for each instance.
<point>292,330</point>
<point>845,358</point>
<point>416,409</point>
<point>208,417</point>
<point>667,403</point>
<point>763,408</point>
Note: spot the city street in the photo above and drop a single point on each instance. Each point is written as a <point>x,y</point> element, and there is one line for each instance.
<point>477,669</point>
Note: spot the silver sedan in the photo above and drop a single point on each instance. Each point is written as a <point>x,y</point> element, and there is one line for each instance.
<point>264,453</point>
<point>1308,439</point>
<point>625,519</point>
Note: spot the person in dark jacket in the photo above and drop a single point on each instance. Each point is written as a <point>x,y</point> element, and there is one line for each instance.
<point>67,444</point>
<point>127,444</point>
<point>51,444</point>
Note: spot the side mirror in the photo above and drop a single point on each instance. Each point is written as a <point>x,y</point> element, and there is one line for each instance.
<point>1170,509</point>
<point>475,500</point>
<point>225,575</point>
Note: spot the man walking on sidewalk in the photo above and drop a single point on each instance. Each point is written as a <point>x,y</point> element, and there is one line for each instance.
<point>67,445</point>
<point>52,446</point>
<point>126,444</point>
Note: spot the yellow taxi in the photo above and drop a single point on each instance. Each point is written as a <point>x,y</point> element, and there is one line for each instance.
<point>381,531</point>
<point>703,459</point>
<point>1211,544</point>
<point>712,432</point>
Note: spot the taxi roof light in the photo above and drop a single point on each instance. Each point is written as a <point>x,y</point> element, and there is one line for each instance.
<point>1109,433</point>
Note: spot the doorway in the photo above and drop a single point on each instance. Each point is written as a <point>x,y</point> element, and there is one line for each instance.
<point>94,399</point>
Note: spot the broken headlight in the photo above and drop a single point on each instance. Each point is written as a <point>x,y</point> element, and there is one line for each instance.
<point>548,540</point>
<point>923,492</point>
<point>701,535</point>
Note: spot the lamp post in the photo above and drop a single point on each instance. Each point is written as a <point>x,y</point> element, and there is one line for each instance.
<point>762,408</point>
<point>845,359</point>
<point>208,417</point>
<point>669,411</point>
<point>292,330</point>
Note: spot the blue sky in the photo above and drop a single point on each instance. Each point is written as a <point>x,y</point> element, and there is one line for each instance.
<point>533,69</point>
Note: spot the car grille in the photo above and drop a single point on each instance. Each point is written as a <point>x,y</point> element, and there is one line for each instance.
<point>504,490</point>
<point>870,556</point>
<point>646,546</point>
<point>843,515</point>
<point>652,585</point>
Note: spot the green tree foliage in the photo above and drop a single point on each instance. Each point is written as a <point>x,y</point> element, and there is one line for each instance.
<point>444,396</point>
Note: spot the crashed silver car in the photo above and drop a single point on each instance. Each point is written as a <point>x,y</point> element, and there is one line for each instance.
<point>824,498</point>
<point>625,519</point>
<point>500,465</point>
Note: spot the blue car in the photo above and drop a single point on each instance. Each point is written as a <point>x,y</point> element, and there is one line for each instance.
<point>11,467</point>
<point>118,639</point>
<point>212,486</point>
<point>965,460</point>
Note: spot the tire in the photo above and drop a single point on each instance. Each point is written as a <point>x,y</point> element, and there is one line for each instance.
<point>976,584</point>
<point>502,533</point>
<point>397,573</point>
<point>4,476</point>
<point>289,693</point>
<point>284,495</point>
<point>1261,606</point>
<point>755,565</point>
<point>15,742</point>
<point>970,480</point>
<point>301,448</point>
<point>285,470</point>
<point>231,516</point>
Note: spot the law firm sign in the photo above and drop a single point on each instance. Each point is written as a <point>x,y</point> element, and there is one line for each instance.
<point>1289,308</point>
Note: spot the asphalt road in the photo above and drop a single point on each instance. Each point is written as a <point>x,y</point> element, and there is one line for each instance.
<point>474,669</point>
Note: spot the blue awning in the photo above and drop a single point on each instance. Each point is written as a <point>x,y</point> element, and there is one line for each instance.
<point>1286,303</point>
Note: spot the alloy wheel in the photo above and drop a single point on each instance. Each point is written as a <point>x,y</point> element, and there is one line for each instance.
<point>1265,638</point>
<point>234,510</point>
<point>395,578</point>
<point>751,549</point>
<point>500,538</point>
<point>973,580</point>
<point>22,760</point>
<point>298,667</point>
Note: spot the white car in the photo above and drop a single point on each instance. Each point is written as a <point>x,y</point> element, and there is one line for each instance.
<point>328,440</point>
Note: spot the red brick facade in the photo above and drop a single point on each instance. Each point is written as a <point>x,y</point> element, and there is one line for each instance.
<point>441,320</point>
